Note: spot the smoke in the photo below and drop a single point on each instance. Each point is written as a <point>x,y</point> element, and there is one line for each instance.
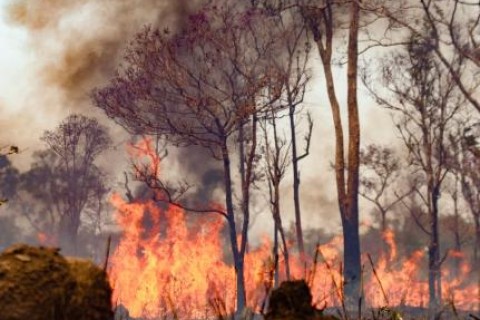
<point>79,43</point>
<point>68,48</point>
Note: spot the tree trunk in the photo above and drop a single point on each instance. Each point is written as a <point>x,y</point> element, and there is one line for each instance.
<point>456,231</point>
<point>352,267</point>
<point>279,229</point>
<point>296,187</point>
<point>276,277</point>
<point>352,264</point>
<point>238,259</point>
<point>347,190</point>
<point>434,268</point>
<point>476,253</point>
<point>67,235</point>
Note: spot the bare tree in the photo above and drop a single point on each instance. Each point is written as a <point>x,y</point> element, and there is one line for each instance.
<point>381,170</point>
<point>465,166</point>
<point>9,176</point>
<point>452,28</point>
<point>427,101</point>
<point>294,65</point>
<point>70,179</point>
<point>277,154</point>
<point>204,85</point>
<point>8,173</point>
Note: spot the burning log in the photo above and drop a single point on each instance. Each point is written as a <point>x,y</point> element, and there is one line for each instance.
<point>293,301</point>
<point>40,284</point>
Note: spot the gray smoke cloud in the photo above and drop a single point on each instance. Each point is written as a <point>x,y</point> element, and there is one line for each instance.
<point>79,43</point>
<point>73,46</point>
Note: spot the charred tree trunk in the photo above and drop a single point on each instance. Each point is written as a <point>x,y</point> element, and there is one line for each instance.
<point>296,186</point>
<point>276,278</point>
<point>347,188</point>
<point>434,267</point>
<point>456,229</point>
<point>238,259</point>
<point>476,253</point>
<point>281,231</point>
<point>352,267</point>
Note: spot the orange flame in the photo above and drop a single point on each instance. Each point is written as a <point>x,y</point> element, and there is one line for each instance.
<point>45,239</point>
<point>169,264</point>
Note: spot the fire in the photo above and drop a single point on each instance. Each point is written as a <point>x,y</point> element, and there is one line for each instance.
<point>404,283</point>
<point>46,239</point>
<point>170,267</point>
<point>171,264</point>
<point>163,266</point>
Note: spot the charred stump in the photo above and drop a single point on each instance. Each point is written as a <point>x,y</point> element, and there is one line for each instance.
<point>293,301</point>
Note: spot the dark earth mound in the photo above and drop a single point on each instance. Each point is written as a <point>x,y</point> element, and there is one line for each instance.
<point>37,283</point>
<point>293,301</point>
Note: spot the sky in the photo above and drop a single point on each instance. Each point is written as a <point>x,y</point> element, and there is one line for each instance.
<point>52,52</point>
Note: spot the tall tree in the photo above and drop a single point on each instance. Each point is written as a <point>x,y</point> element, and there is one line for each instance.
<point>204,85</point>
<point>9,179</point>
<point>70,178</point>
<point>381,169</point>
<point>293,63</point>
<point>466,164</point>
<point>453,28</point>
<point>276,162</point>
<point>427,102</point>
<point>8,174</point>
<point>321,21</point>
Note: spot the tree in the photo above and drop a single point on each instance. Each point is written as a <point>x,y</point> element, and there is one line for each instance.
<point>427,101</point>
<point>69,178</point>
<point>465,167</point>
<point>293,64</point>
<point>204,85</point>
<point>381,169</point>
<point>322,25</point>
<point>8,174</point>
<point>452,29</point>
<point>276,150</point>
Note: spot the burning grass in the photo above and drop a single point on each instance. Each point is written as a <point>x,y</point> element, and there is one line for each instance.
<point>166,266</point>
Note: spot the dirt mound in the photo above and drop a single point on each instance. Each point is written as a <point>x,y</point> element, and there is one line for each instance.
<point>293,301</point>
<point>40,284</point>
<point>91,299</point>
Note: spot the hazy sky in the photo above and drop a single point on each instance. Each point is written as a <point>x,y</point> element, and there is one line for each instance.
<point>54,51</point>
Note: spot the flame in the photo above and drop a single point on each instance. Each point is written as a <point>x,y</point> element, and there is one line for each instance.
<point>169,263</point>
<point>171,267</point>
<point>46,239</point>
<point>404,281</point>
<point>167,267</point>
